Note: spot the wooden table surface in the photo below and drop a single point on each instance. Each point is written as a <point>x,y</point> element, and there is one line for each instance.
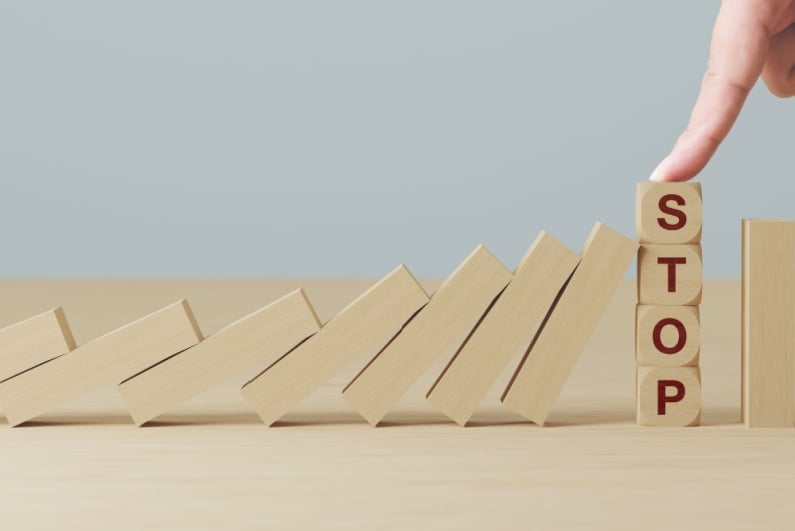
<point>212,464</point>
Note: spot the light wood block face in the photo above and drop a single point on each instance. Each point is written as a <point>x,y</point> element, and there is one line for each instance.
<point>259,338</point>
<point>667,336</point>
<point>507,329</point>
<point>669,396</point>
<point>106,360</point>
<point>437,331</point>
<point>669,275</point>
<point>768,322</point>
<point>546,367</point>
<point>362,329</point>
<point>668,213</point>
<point>33,341</point>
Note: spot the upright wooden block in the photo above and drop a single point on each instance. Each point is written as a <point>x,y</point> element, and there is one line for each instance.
<point>106,360</point>
<point>669,396</point>
<point>540,378</point>
<point>668,213</point>
<point>438,330</point>
<point>261,337</point>
<point>33,341</point>
<point>362,329</point>
<point>507,329</point>
<point>667,336</point>
<point>768,322</point>
<point>669,275</point>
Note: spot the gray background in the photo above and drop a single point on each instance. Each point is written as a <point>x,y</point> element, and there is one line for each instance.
<point>248,139</point>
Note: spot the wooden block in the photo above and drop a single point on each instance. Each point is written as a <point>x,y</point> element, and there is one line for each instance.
<point>106,360</point>
<point>438,330</point>
<point>668,213</point>
<point>669,396</point>
<point>507,329</point>
<point>768,322</point>
<point>261,337</point>
<point>667,336</point>
<point>669,275</point>
<point>33,341</point>
<point>541,375</point>
<point>362,329</point>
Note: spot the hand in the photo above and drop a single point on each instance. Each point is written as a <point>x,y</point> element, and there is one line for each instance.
<point>751,38</point>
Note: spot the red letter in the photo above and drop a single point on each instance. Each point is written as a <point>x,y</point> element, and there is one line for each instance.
<point>656,335</point>
<point>672,263</point>
<point>663,399</point>
<point>680,215</point>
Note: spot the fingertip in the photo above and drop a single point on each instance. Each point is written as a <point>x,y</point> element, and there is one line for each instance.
<point>659,173</point>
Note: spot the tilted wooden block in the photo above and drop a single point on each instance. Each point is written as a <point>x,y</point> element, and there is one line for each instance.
<point>106,360</point>
<point>362,329</point>
<point>437,331</point>
<point>668,212</point>
<point>546,367</point>
<point>667,336</point>
<point>669,396</point>
<point>768,322</point>
<point>33,341</point>
<point>507,329</point>
<point>259,338</point>
<point>669,275</point>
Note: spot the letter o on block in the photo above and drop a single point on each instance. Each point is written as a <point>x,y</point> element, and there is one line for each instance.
<point>668,213</point>
<point>667,336</point>
<point>669,396</point>
<point>669,275</point>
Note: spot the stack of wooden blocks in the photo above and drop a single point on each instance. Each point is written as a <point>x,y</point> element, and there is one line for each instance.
<point>667,320</point>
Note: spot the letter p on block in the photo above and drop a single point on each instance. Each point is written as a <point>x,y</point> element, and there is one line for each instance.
<point>669,396</point>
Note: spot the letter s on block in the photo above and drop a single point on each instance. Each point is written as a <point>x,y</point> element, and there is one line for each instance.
<point>663,398</point>
<point>665,208</point>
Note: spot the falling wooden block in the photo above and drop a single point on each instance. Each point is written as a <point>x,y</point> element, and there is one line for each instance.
<point>362,329</point>
<point>667,336</point>
<point>33,341</point>
<point>669,396</point>
<point>669,275</point>
<point>106,360</point>
<point>437,331</point>
<point>668,213</point>
<point>261,337</point>
<point>507,329</point>
<point>545,368</point>
<point>768,322</point>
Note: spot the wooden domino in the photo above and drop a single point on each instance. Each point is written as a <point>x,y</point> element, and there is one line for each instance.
<point>438,331</point>
<point>546,367</point>
<point>669,275</point>
<point>768,322</point>
<point>259,338</point>
<point>667,336</point>
<point>668,396</point>
<point>507,329</point>
<point>33,341</point>
<point>106,360</point>
<point>668,213</point>
<point>362,329</point>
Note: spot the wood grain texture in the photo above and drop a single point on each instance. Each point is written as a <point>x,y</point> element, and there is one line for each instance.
<point>438,331</point>
<point>362,329</point>
<point>546,367</point>
<point>670,275</point>
<point>768,322</point>
<point>506,331</point>
<point>667,336</point>
<point>668,213</point>
<point>209,464</point>
<point>106,360</point>
<point>669,396</point>
<point>258,338</point>
<point>33,341</point>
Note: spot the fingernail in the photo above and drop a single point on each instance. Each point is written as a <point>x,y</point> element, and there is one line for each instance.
<point>659,172</point>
